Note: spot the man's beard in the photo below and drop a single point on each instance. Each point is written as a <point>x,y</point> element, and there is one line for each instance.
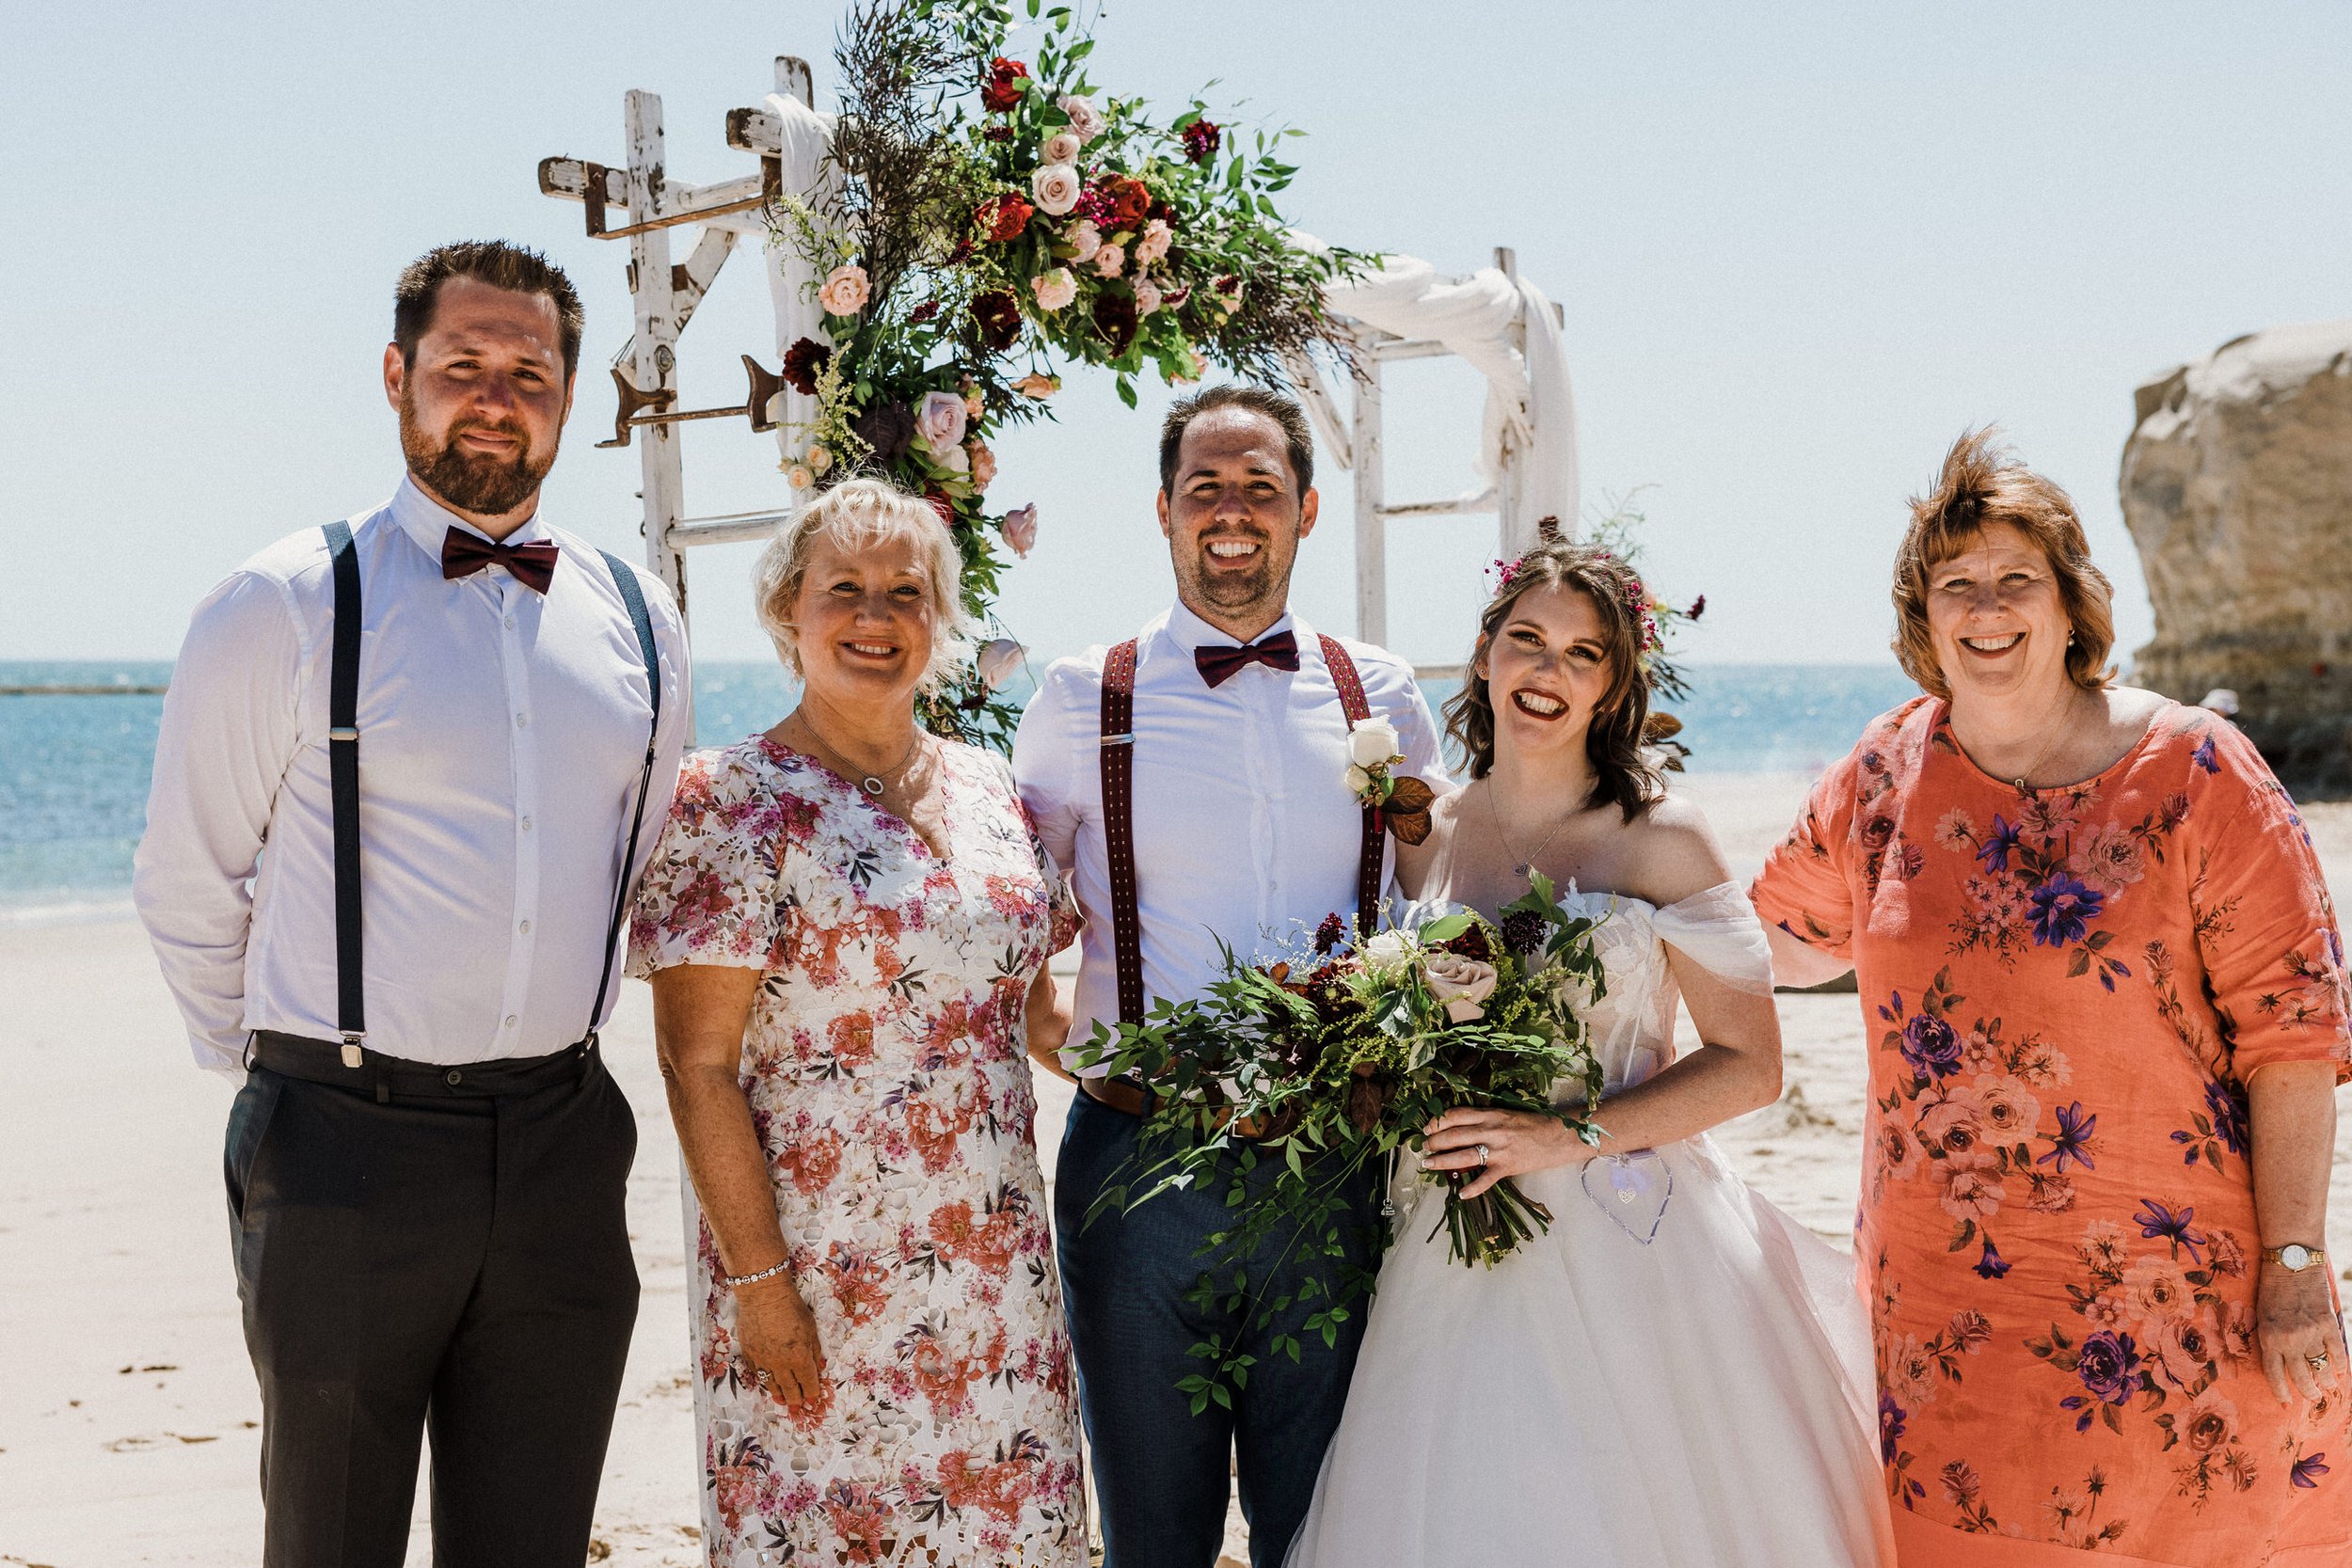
<point>1231,590</point>
<point>477,483</point>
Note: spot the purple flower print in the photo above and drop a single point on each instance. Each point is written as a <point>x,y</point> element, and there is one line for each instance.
<point>2063,908</point>
<point>2158,1223</point>
<point>1991,1265</point>
<point>2072,1141</point>
<point>1932,1046</point>
<point>2226,1103</point>
<point>2308,1471</point>
<point>2108,1366</point>
<point>2203,756</point>
<point>1891,1419</point>
<point>1993,854</point>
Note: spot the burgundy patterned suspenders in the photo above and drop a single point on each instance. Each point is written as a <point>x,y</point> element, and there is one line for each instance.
<point>1118,753</point>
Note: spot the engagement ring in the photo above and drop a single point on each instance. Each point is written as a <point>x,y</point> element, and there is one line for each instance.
<point>2317,1363</point>
<point>1482,1154</point>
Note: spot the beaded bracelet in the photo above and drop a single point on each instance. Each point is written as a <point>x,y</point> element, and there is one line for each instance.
<point>733,1281</point>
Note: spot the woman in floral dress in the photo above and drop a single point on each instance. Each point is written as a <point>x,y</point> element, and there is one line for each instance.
<point>2108,999</point>
<point>846,924</point>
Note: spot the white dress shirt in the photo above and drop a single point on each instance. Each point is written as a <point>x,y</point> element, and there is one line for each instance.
<point>501,735</point>
<point>1245,826</point>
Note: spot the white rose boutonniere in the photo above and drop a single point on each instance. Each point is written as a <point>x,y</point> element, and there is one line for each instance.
<point>1401,804</point>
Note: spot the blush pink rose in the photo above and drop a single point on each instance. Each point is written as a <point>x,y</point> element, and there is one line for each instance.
<point>1055,289</point>
<point>983,464</point>
<point>844,292</point>
<point>1021,528</point>
<point>1154,242</point>
<point>1109,260</point>
<point>939,421</point>
<point>1062,147</point>
<point>1148,296</point>
<point>1057,187</point>
<point>1084,240</point>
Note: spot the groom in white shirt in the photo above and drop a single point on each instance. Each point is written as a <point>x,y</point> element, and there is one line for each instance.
<point>449,724</point>
<point>1191,784</point>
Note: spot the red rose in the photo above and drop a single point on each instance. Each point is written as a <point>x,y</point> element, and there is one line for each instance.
<point>1200,141</point>
<point>1129,199</point>
<point>1003,89</point>
<point>1003,217</point>
<point>997,314</point>
<point>928,311</point>
<point>803,362</point>
<point>940,504</point>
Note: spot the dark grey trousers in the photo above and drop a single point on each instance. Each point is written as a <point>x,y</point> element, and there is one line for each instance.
<point>438,1249</point>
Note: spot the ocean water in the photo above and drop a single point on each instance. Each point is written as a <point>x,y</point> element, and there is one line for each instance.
<point>74,770</point>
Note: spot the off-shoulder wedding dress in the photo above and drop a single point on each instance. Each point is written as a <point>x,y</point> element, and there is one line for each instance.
<point>1677,1375</point>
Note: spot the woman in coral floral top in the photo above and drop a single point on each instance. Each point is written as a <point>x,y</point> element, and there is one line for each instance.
<point>847,923</point>
<point>2109,1003</point>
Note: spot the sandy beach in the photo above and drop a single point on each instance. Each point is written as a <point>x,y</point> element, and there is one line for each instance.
<point>128,1415</point>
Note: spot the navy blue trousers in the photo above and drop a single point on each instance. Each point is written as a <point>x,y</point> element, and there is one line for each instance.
<point>1161,1473</point>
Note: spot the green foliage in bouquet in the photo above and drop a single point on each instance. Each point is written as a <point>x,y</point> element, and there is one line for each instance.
<point>983,218</point>
<point>1327,1064</point>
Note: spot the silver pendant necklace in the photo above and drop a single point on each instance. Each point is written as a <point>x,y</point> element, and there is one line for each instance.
<point>1523,863</point>
<point>870,783</point>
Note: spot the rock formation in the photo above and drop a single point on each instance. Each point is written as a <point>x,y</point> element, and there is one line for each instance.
<point>2237,488</point>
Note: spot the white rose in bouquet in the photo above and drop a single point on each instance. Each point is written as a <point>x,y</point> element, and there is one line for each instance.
<point>1388,952</point>
<point>941,422</point>
<point>1085,121</point>
<point>999,657</point>
<point>1460,985</point>
<point>1062,147</point>
<point>1056,187</point>
<point>1371,743</point>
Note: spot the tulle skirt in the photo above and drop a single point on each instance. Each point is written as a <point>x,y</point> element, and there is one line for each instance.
<point>1592,1401</point>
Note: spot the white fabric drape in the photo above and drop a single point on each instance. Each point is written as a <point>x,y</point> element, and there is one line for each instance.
<point>1528,394</point>
<point>791,280</point>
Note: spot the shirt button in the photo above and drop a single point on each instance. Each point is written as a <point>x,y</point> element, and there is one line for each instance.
<point>510,622</point>
<point>510,1021</point>
<point>526,927</point>
<point>526,824</point>
<point>522,720</point>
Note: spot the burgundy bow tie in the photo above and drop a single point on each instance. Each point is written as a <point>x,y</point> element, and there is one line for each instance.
<point>464,554</point>
<point>1219,661</point>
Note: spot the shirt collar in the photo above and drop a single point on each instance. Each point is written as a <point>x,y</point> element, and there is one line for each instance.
<point>428,522</point>
<point>1191,633</point>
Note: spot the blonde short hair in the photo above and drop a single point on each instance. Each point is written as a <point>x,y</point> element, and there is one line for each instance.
<point>857,515</point>
<point>1980,482</point>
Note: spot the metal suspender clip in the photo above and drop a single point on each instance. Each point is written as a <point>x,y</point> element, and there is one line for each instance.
<point>1119,740</point>
<point>351,1048</point>
<point>343,735</point>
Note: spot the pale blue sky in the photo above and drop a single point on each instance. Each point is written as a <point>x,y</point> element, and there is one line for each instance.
<point>1799,245</point>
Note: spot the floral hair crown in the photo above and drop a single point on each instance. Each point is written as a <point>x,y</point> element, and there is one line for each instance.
<point>1643,610</point>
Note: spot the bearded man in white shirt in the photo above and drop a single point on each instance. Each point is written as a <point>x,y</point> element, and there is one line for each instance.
<point>456,729</point>
<point>1192,784</point>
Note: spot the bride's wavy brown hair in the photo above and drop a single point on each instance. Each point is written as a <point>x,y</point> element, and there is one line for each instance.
<point>1623,775</point>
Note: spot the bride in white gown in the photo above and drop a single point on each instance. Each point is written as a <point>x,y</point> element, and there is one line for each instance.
<point>1675,1375</point>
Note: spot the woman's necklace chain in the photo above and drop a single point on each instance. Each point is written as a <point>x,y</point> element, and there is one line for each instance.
<point>870,783</point>
<point>1523,863</point>
<point>2057,734</point>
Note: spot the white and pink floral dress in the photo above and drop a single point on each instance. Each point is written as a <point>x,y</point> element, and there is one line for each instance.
<point>886,1067</point>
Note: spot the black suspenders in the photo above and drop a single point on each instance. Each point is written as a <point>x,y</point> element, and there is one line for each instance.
<point>342,760</point>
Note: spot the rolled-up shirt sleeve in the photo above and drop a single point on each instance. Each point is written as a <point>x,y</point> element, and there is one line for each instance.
<point>231,727</point>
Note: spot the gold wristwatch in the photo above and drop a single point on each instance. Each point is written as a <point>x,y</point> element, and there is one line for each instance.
<point>2295,1257</point>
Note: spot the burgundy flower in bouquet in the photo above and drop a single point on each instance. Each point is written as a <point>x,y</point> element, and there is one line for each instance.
<point>886,427</point>
<point>803,362</point>
<point>1004,90</point>
<point>1115,318</point>
<point>998,313</point>
<point>1200,140</point>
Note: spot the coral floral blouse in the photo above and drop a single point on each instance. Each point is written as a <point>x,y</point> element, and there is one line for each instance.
<point>2068,990</point>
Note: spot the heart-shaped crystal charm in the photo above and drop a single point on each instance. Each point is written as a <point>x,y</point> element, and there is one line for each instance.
<point>1632,1188</point>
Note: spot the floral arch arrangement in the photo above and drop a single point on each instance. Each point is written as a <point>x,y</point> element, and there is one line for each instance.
<point>982,218</point>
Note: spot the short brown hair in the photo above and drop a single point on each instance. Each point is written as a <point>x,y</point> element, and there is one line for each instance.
<point>493,262</point>
<point>1291,420</point>
<point>1982,482</point>
<point>1613,741</point>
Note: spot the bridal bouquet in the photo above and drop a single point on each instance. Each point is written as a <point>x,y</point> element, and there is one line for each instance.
<point>1328,1062</point>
